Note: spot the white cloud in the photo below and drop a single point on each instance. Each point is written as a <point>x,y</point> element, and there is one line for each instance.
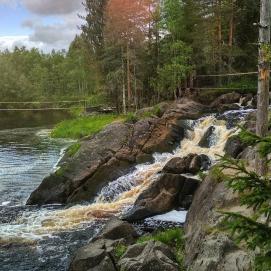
<point>9,42</point>
<point>52,7</point>
<point>47,36</point>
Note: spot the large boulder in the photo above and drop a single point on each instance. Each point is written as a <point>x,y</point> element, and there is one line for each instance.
<point>149,256</point>
<point>162,196</point>
<point>192,164</point>
<point>207,249</point>
<point>234,146</point>
<point>229,98</point>
<point>99,255</point>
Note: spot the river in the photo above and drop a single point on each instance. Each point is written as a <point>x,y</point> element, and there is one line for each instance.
<point>44,239</point>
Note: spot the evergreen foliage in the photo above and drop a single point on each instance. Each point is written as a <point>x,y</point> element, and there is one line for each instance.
<point>254,193</point>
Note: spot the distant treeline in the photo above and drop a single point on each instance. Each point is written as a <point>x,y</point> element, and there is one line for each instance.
<point>139,52</point>
<point>30,75</point>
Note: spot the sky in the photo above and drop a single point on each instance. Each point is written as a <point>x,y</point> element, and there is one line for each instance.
<point>44,24</point>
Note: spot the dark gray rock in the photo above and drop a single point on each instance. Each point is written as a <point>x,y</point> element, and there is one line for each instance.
<point>94,257</point>
<point>192,164</point>
<point>208,138</point>
<point>234,146</point>
<point>165,194</point>
<point>149,256</point>
<point>99,255</point>
<point>116,229</point>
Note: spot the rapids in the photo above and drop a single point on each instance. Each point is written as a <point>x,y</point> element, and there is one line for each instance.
<point>62,230</point>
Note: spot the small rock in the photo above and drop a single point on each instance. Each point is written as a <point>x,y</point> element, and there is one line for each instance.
<point>208,138</point>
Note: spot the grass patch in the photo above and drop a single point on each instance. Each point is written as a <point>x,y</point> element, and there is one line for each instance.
<point>73,149</point>
<point>119,250</point>
<point>82,126</point>
<point>174,238</point>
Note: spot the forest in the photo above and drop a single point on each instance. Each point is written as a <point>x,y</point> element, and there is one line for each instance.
<point>139,53</point>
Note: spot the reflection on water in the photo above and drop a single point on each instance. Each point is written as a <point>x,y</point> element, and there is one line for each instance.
<point>26,157</point>
<point>22,119</point>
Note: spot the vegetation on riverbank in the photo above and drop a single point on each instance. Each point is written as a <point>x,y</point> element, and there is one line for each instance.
<point>83,126</point>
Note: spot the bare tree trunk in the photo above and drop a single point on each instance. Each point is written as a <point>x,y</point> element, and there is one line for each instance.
<point>219,28</point>
<point>123,84</point>
<point>135,87</point>
<point>263,81</point>
<point>128,76</point>
<point>231,31</point>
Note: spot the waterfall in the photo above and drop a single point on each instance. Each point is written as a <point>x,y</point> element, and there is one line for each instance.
<point>120,194</point>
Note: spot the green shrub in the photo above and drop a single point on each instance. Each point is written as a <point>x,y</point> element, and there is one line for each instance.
<point>119,250</point>
<point>131,117</point>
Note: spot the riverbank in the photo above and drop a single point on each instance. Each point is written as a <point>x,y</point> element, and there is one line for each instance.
<point>145,171</point>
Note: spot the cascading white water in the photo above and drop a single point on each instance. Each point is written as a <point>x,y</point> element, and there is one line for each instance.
<point>117,195</point>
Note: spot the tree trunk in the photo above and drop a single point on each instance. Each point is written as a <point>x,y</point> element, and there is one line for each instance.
<point>128,76</point>
<point>263,81</point>
<point>231,31</point>
<point>123,84</point>
<point>219,39</point>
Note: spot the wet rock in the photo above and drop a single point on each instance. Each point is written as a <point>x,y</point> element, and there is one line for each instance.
<point>208,138</point>
<point>192,164</point>
<point>112,153</point>
<point>229,98</point>
<point>162,196</point>
<point>234,146</point>
<point>247,99</point>
<point>228,107</point>
<point>185,196</point>
<point>199,163</point>
<point>99,254</point>
<point>207,250</point>
<point>149,256</point>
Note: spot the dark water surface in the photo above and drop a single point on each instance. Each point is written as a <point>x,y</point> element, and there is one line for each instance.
<point>27,155</point>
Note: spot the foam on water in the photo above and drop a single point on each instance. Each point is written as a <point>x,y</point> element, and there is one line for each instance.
<point>117,195</point>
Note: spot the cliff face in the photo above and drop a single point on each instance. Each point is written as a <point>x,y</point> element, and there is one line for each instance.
<point>206,248</point>
<point>113,153</point>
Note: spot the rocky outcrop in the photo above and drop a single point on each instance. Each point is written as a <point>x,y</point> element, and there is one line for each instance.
<point>99,254</point>
<point>112,153</point>
<point>208,138</point>
<point>163,195</point>
<point>149,256</point>
<point>207,249</point>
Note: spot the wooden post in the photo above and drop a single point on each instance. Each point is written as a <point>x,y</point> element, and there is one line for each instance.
<point>263,80</point>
